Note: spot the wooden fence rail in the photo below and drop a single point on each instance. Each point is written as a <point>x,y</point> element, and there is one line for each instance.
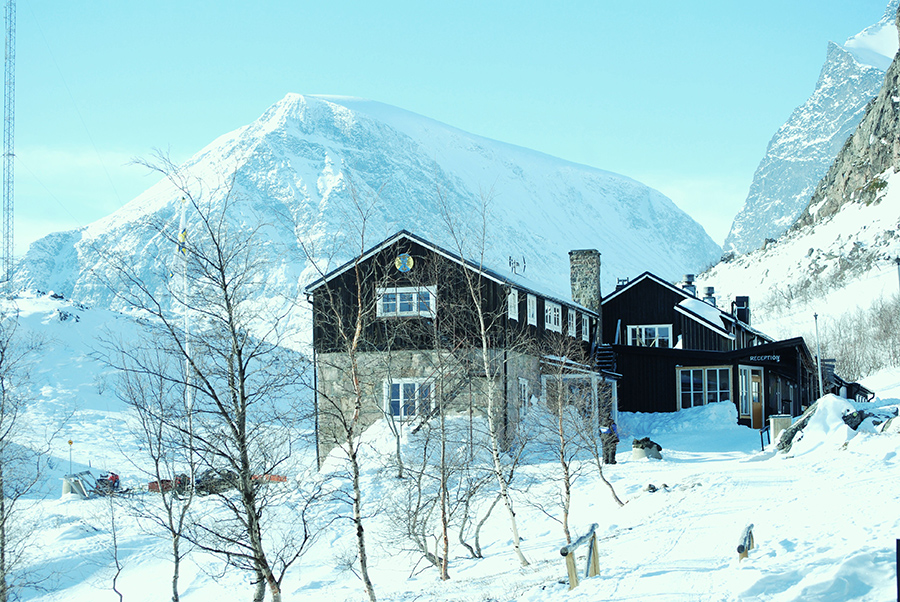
<point>592,567</point>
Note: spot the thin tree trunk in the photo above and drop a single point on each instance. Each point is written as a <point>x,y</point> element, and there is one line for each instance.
<point>567,483</point>
<point>259,594</point>
<point>357,520</point>
<point>481,524</point>
<point>4,592</point>
<point>492,425</point>
<point>177,568</point>
<point>445,519</point>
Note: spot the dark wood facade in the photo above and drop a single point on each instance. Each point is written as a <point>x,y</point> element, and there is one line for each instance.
<point>338,295</point>
<point>419,318</point>
<point>705,354</point>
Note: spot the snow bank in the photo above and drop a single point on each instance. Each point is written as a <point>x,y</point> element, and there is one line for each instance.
<point>711,417</point>
<point>826,427</point>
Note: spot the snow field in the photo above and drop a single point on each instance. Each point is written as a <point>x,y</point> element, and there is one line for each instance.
<point>825,514</point>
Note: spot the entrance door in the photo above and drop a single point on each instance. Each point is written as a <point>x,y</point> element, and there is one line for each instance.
<point>756,399</point>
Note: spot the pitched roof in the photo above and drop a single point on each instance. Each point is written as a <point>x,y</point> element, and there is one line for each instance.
<point>514,280</point>
<point>691,307</point>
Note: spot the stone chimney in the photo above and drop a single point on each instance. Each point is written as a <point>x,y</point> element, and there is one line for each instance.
<point>584,273</point>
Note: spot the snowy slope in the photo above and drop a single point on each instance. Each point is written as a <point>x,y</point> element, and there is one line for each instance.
<point>813,539</point>
<point>802,149</point>
<point>301,168</point>
<point>843,262</point>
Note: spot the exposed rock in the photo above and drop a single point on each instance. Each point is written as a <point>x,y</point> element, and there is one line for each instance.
<point>645,448</point>
<point>802,149</point>
<point>856,176</point>
<point>787,435</point>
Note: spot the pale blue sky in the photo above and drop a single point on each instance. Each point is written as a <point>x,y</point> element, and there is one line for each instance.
<point>682,96</point>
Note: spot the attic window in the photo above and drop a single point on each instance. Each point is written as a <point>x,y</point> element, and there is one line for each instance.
<point>570,316</point>
<point>650,335</point>
<point>402,301</point>
<point>532,310</point>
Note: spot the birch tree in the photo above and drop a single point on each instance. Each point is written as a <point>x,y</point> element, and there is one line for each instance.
<point>242,376</point>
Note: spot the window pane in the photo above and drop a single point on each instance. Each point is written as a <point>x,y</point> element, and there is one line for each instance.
<point>665,336</point>
<point>424,301</point>
<point>389,303</point>
<point>697,379</point>
<point>425,399</point>
<point>409,399</point>
<point>406,302</point>
<point>395,400</point>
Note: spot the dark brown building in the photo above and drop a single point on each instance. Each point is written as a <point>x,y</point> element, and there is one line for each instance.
<point>677,351</point>
<point>420,344</point>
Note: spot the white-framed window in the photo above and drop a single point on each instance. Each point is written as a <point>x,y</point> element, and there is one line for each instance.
<point>699,386</point>
<point>406,301</point>
<point>552,316</point>
<point>532,309</point>
<point>570,317</point>
<point>585,327</point>
<point>650,335</point>
<point>524,395</point>
<point>512,304</point>
<point>407,397</point>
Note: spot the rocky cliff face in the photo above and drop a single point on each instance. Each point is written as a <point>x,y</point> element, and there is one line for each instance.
<point>840,253</point>
<point>859,173</point>
<point>802,150</point>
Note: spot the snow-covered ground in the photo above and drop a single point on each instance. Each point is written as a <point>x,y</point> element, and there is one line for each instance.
<point>826,515</point>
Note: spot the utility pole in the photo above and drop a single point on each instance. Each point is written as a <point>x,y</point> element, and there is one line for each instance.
<point>897,261</point>
<point>9,118</point>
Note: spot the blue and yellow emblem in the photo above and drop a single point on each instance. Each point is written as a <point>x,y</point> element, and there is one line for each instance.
<point>404,262</point>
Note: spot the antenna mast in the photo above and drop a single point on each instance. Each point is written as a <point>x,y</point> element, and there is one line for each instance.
<point>9,118</point>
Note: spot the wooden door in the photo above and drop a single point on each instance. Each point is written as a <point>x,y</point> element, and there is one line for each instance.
<point>756,400</point>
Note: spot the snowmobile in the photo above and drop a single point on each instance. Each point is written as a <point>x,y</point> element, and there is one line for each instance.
<point>107,484</point>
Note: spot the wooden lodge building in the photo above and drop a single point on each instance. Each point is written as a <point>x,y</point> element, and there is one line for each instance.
<point>649,346</point>
<point>677,351</point>
<point>421,341</point>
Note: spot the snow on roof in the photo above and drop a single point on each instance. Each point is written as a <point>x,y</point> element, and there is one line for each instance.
<point>517,280</point>
<point>713,315</point>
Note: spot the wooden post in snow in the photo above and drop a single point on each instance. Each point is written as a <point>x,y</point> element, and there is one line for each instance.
<point>747,542</point>
<point>592,568</point>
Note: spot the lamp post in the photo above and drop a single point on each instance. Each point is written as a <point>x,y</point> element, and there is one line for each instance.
<point>819,356</point>
<point>70,456</point>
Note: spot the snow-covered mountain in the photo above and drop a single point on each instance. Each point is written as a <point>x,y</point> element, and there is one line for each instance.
<point>302,167</point>
<point>802,149</point>
<point>846,240</point>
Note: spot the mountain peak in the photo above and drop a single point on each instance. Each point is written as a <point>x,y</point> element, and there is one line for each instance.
<point>309,162</point>
<point>802,149</point>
